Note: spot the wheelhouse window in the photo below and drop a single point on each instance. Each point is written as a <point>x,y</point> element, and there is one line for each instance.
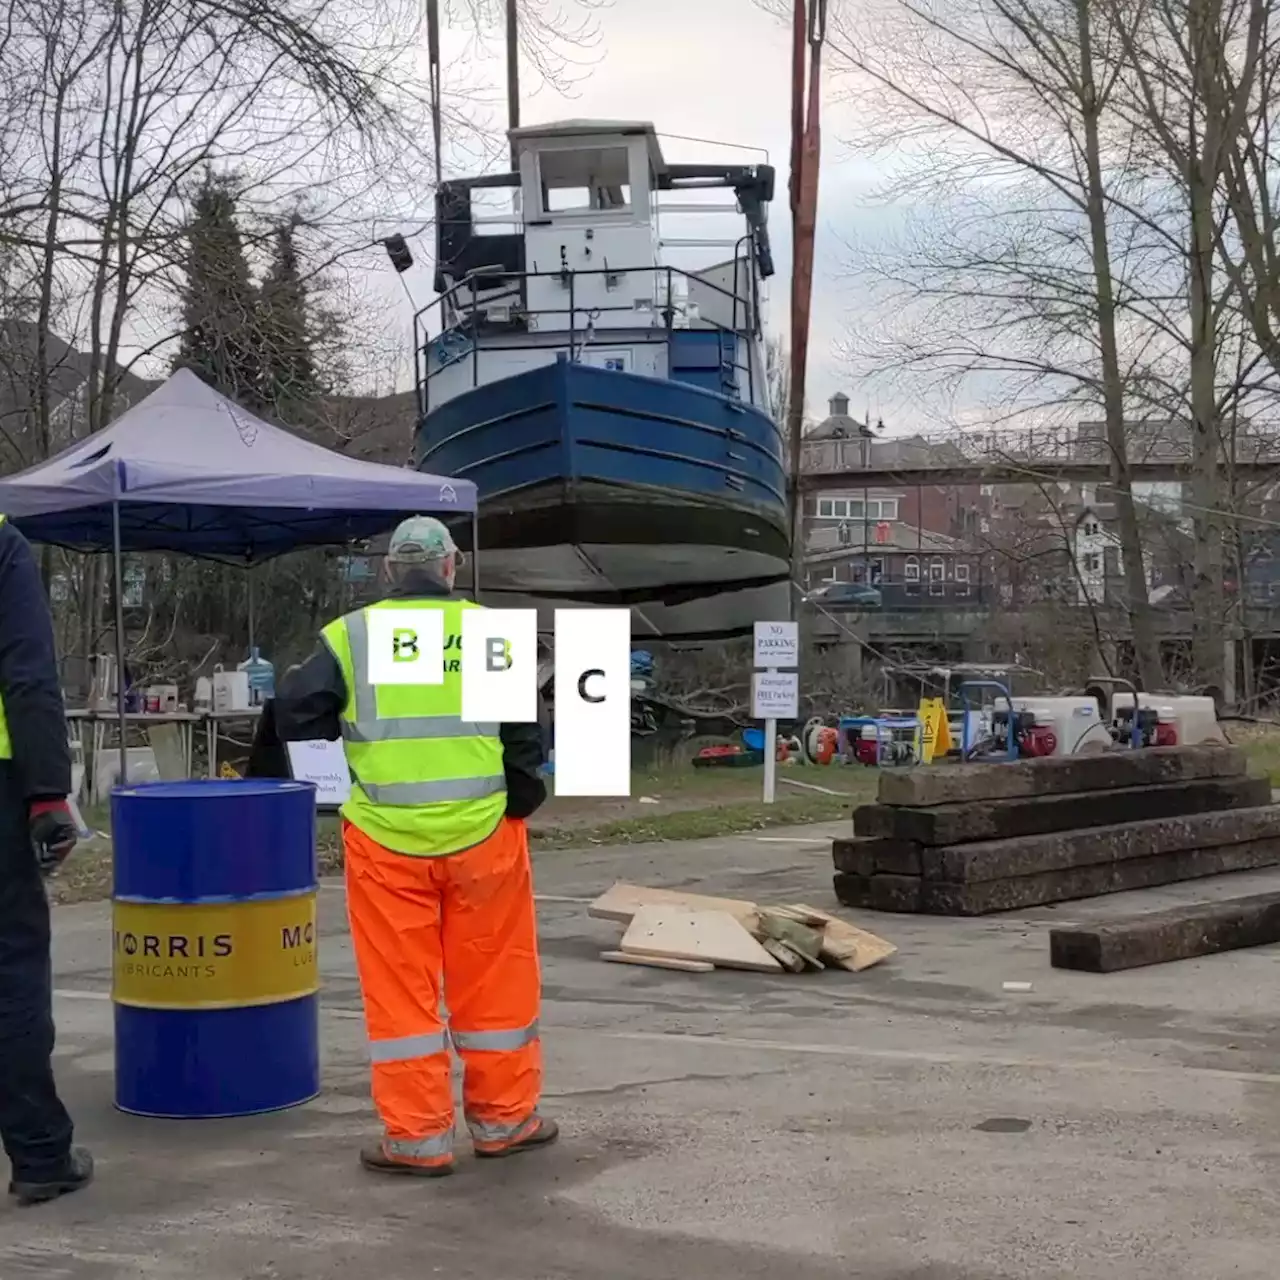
<point>584,180</point>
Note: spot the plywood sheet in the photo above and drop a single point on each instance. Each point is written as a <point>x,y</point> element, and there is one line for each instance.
<point>624,900</point>
<point>713,936</point>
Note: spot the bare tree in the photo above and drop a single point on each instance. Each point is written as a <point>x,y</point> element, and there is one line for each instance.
<point>1019,277</point>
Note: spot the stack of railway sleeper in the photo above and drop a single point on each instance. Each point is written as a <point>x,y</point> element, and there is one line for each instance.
<point>973,839</point>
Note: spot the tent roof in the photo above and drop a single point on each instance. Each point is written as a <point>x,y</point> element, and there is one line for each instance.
<point>196,474</point>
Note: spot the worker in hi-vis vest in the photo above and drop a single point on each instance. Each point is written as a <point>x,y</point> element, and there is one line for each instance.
<point>439,886</point>
<point>36,834</point>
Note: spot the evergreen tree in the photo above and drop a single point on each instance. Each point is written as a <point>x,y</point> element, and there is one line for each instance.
<point>220,304</point>
<point>291,385</point>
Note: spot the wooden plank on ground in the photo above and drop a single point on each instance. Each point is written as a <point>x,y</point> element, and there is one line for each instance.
<point>658,962</point>
<point>803,939</point>
<point>1180,933</point>
<point>844,944</point>
<point>791,961</point>
<point>623,900</point>
<point>954,783</point>
<point>713,936</point>
<point>1063,850</point>
<point>1038,815</point>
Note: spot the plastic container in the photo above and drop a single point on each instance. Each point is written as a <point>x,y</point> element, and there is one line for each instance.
<point>262,677</point>
<point>230,690</point>
<point>203,699</point>
<point>215,976</point>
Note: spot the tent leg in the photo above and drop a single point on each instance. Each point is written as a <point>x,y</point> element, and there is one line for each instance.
<point>475,556</point>
<point>249,576</point>
<point>117,564</point>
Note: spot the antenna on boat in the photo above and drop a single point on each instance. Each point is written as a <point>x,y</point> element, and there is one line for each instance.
<point>513,75</point>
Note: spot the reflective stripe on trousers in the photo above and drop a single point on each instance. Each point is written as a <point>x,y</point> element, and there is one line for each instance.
<point>494,1041</point>
<point>434,1150</point>
<point>408,1048</point>
<point>490,1134</point>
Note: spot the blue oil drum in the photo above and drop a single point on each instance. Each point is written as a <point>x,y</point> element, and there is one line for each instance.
<point>215,975</point>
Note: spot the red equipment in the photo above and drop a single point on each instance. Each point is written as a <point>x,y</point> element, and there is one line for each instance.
<point>1037,740</point>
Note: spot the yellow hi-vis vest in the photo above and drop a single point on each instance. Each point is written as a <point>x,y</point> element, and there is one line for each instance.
<point>423,780</point>
<point>6,744</point>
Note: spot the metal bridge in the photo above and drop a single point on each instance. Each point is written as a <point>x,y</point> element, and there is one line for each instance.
<point>1008,471</point>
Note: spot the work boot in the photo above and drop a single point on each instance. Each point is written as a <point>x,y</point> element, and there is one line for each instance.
<point>539,1132</point>
<point>77,1173</point>
<point>374,1157</point>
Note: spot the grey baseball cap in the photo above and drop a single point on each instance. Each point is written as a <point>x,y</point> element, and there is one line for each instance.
<point>420,539</point>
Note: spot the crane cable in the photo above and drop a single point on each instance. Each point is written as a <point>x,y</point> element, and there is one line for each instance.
<point>809,32</point>
<point>433,73</point>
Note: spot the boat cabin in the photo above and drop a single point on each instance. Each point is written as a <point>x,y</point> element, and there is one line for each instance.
<point>574,267</point>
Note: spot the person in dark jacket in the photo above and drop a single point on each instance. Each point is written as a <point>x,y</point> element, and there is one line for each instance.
<point>36,833</point>
<point>439,881</point>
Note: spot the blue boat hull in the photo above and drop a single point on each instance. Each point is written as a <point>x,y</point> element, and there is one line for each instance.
<point>603,487</point>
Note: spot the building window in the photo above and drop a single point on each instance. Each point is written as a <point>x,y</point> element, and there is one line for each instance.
<point>871,511</point>
<point>877,573</point>
<point>911,570</point>
<point>962,578</point>
<point>937,577</point>
<point>1092,562</point>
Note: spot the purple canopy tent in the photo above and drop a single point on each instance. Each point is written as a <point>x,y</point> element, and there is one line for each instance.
<point>189,471</point>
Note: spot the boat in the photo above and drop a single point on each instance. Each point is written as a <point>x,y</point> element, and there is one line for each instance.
<point>610,406</point>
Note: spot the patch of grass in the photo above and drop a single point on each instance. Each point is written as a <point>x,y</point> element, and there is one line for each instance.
<point>700,823</point>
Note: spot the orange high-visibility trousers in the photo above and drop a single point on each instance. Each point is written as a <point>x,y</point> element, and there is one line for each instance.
<point>461,926</point>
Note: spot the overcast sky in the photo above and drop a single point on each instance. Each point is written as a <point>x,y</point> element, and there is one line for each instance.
<point>720,70</point>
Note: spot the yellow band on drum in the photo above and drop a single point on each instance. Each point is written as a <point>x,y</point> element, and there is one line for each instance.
<point>230,955</point>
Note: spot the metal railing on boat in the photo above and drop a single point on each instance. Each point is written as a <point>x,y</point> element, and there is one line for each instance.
<point>469,326</point>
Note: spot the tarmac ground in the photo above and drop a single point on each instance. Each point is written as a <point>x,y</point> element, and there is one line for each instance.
<point>913,1122</point>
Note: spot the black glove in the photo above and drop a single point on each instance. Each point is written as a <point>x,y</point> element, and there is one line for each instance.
<point>53,833</point>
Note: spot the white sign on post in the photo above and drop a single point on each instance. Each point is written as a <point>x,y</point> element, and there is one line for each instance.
<point>777,644</point>
<point>775,695</point>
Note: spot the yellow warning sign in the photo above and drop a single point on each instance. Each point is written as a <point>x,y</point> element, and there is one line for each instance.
<point>936,736</point>
<point>214,955</point>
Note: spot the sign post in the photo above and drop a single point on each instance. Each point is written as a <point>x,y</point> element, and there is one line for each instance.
<point>775,693</point>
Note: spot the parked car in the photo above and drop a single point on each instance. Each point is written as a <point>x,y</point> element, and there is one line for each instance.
<point>845,595</point>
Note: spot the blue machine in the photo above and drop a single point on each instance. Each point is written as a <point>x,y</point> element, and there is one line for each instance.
<point>887,746</point>
<point>967,744</point>
<point>214,947</point>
